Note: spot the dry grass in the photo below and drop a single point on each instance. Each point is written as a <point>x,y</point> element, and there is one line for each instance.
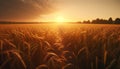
<point>66,46</point>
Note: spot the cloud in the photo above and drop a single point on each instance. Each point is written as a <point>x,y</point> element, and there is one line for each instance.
<point>22,10</point>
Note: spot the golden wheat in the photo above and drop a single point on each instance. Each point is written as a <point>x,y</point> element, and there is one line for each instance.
<point>55,47</point>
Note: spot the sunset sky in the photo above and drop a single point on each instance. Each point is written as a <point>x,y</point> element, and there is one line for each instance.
<point>52,10</point>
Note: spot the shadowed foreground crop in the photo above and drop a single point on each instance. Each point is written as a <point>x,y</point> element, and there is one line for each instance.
<point>53,46</point>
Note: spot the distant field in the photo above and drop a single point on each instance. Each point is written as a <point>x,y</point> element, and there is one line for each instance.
<point>59,46</point>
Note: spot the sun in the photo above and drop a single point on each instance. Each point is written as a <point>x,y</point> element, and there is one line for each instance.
<point>60,19</point>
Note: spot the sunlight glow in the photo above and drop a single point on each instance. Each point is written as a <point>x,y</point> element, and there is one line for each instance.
<point>60,19</point>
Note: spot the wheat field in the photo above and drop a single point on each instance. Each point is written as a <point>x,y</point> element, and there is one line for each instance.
<point>52,46</point>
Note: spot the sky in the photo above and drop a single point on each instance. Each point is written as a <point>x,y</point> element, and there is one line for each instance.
<point>53,10</point>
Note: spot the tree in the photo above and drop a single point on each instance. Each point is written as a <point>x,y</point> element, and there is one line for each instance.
<point>87,22</point>
<point>117,21</point>
<point>110,20</point>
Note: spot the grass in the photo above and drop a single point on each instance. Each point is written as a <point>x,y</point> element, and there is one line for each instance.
<point>50,46</point>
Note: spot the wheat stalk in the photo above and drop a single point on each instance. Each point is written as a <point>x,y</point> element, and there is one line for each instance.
<point>105,57</point>
<point>96,62</point>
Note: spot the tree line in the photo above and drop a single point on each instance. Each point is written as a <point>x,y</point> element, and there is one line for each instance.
<point>102,21</point>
